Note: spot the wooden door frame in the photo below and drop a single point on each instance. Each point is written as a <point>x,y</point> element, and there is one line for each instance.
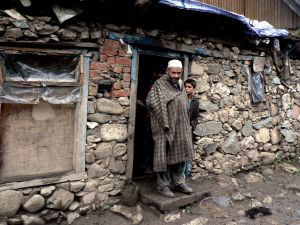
<point>136,52</point>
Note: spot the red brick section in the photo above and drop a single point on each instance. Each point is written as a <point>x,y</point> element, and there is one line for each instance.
<point>94,74</point>
<point>126,77</point>
<point>112,43</point>
<point>116,86</point>
<point>122,52</point>
<point>120,93</point>
<point>123,61</point>
<point>125,84</point>
<point>111,60</point>
<point>109,51</point>
<point>118,69</point>
<point>126,69</point>
<point>103,58</point>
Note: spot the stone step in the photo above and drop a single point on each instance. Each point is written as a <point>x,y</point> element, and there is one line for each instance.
<point>149,196</point>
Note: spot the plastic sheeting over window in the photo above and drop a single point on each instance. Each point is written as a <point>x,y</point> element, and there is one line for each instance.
<point>29,78</point>
<point>259,29</point>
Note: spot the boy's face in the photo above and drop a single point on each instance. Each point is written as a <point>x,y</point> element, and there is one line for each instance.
<point>189,88</point>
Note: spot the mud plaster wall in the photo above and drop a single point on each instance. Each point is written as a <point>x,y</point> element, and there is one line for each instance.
<point>233,134</point>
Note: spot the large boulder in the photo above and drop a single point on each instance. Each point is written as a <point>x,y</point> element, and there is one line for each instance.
<point>61,200</point>
<point>10,202</point>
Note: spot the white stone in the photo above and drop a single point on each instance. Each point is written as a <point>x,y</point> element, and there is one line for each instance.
<point>170,217</point>
<point>92,125</point>
<point>221,89</point>
<point>275,136</point>
<point>76,186</point>
<point>113,132</point>
<point>34,203</point>
<point>88,198</point>
<point>32,220</point>
<point>61,199</point>
<point>254,177</point>
<point>47,191</point>
<point>74,206</point>
<point>107,106</point>
<point>10,202</point>
<point>263,135</point>
<point>71,217</point>
<point>197,221</point>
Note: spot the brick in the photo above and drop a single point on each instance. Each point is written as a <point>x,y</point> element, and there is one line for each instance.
<point>123,61</point>
<point>95,65</point>
<point>109,51</point>
<point>120,93</point>
<point>116,85</point>
<point>122,52</point>
<point>112,43</point>
<point>117,69</point>
<point>94,74</point>
<point>103,58</point>
<point>104,67</point>
<point>125,84</point>
<point>126,69</point>
<point>126,77</point>
<point>111,60</point>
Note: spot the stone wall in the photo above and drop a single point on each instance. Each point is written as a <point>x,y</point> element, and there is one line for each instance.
<point>233,133</point>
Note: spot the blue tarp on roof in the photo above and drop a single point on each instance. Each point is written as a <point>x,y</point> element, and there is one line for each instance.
<point>254,28</point>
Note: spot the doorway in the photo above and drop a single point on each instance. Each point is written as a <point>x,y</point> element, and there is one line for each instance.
<point>150,68</point>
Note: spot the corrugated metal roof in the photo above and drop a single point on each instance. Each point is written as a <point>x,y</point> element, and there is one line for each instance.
<point>276,12</point>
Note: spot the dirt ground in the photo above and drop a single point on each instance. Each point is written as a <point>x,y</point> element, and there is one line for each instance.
<point>230,197</point>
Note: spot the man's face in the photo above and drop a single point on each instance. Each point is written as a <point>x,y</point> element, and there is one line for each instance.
<point>174,74</point>
<point>189,88</point>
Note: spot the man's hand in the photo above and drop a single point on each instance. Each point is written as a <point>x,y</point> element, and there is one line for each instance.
<point>139,102</point>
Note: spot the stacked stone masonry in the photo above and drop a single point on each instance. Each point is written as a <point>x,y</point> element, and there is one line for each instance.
<point>233,133</point>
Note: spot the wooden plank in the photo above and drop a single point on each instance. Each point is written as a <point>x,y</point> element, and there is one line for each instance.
<point>37,140</point>
<point>81,120</point>
<point>44,181</point>
<point>186,67</point>
<point>131,121</point>
<point>63,45</point>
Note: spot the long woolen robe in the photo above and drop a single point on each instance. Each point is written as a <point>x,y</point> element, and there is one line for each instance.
<point>170,123</point>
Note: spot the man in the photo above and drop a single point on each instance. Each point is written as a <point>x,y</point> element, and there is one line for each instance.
<point>171,130</point>
<point>193,107</point>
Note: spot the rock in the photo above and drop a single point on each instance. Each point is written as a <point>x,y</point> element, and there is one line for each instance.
<point>208,106</point>
<point>197,68</point>
<point>30,34</point>
<point>253,155</point>
<point>88,198</point>
<point>103,150</point>
<point>92,125</point>
<point>275,136</point>
<point>64,185</point>
<point>89,157</point>
<point>71,217</point>
<point>247,129</point>
<point>124,101</point>
<point>263,123</point>
<point>113,132</point>
<point>231,145</point>
<point>47,191</point>
<point>295,112</point>
<point>74,206</point>
<point>45,29</point>
<point>170,217</point>
<point>10,202</point>
<point>135,214</point>
<point>267,172</point>
<point>197,221</point>
<point>49,214</point>
<point>286,101</point>
<point>99,118</point>
<point>237,124</point>
<point>116,166</point>
<point>210,149</point>
<point>119,149</point>
<point>254,178</point>
<point>214,69</point>
<point>106,188</point>
<point>91,185</point>
<point>13,33</point>
<point>258,64</point>
<point>208,128</point>
<point>202,84</point>
<point>76,186</point>
<point>267,157</point>
<point>263,135</point>
<point>289,135</point>
<point>276,80</point>
<point>237,197</point>
<point>91,108</point>
<point>15,221</point>
<point>108,106</point>
<point>34,203</point>
<point>288,168</point>
<point>221,89</point>
<point>61,200</point>
<point>32,220</point>
<point>96,170</point>
<point>254,203</point>
<point>66,35</point>
<point>274,110</point>
<point>223,115</point>
<point>293,187</point>
<point>267,200</point>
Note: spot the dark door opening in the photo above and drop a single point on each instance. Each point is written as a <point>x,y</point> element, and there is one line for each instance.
<point>150,68</point>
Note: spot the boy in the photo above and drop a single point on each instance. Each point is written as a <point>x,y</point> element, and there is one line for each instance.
<point>193,107</point>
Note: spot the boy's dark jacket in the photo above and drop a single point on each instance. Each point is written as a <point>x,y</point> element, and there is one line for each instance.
<point>194,112</point>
